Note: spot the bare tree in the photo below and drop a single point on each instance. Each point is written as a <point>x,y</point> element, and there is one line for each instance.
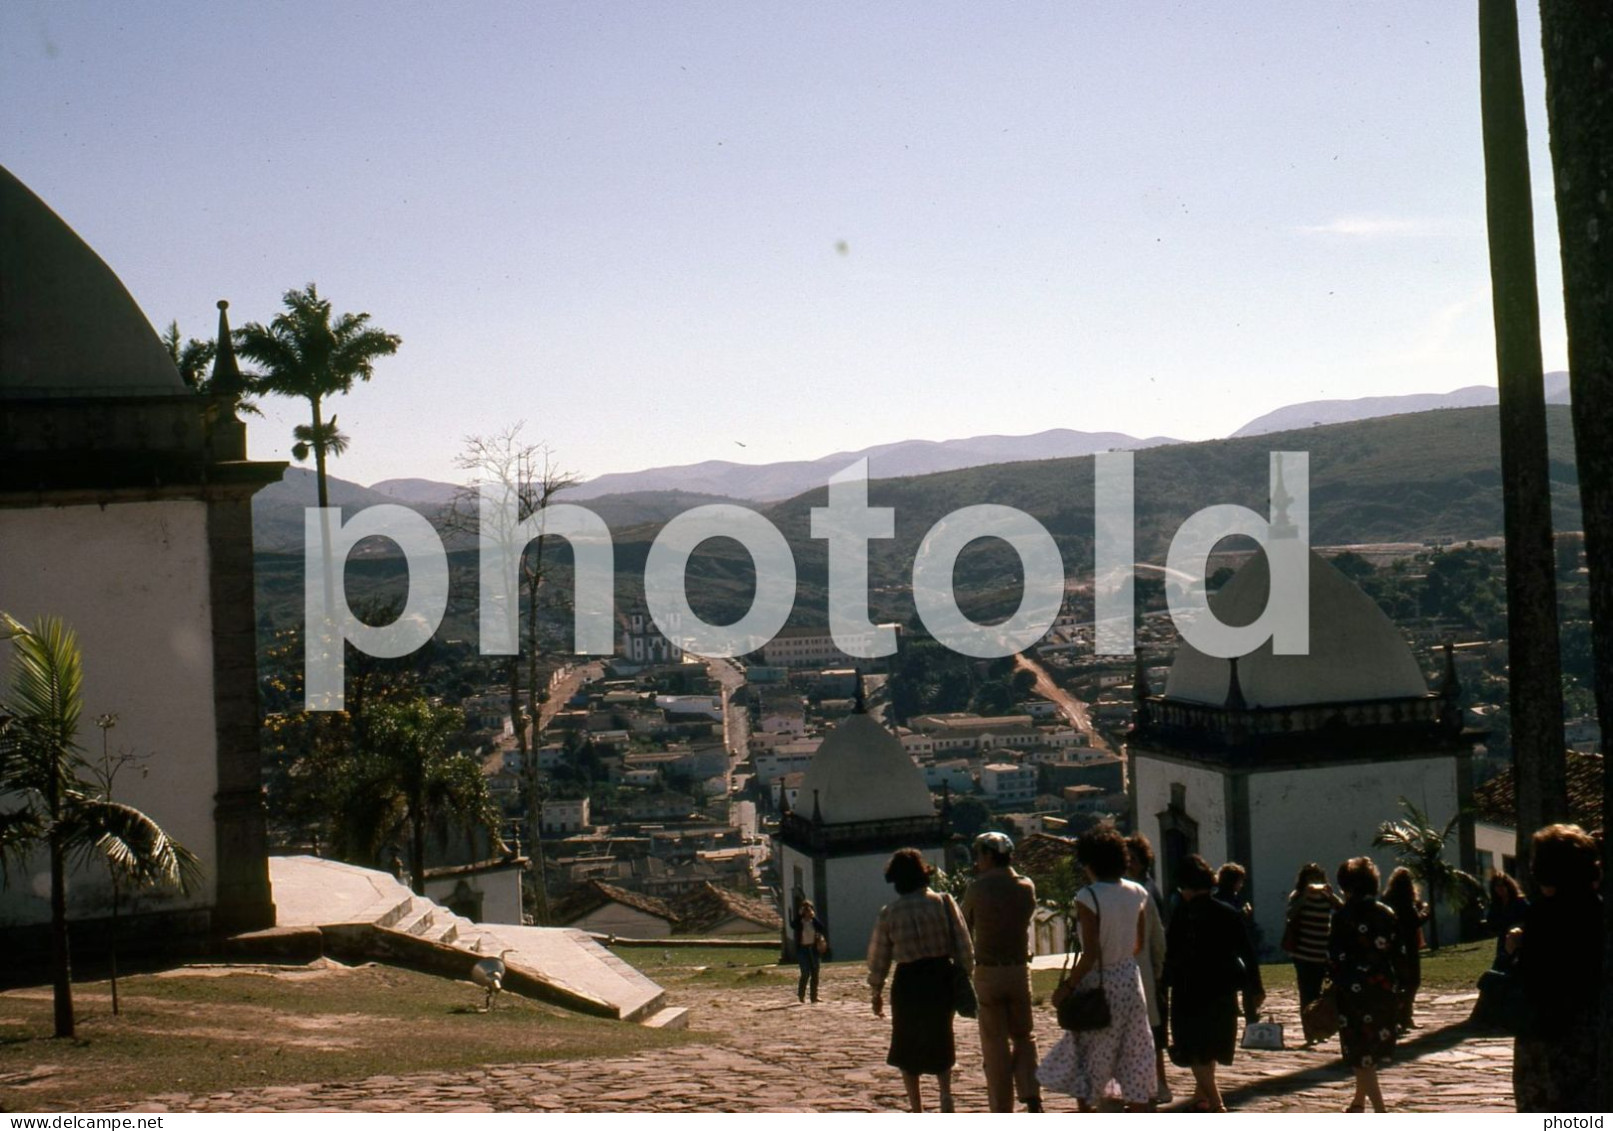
<point>527,473</point>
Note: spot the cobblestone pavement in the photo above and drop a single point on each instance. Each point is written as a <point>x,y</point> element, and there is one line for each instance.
<point>755,1049</point>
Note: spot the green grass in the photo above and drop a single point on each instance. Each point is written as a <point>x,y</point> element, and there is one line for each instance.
<point>1450,969</point>
<point>195,1032</point>
<point>706,966</point>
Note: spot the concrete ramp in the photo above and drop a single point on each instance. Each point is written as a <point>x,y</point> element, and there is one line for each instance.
<point>362,913</point>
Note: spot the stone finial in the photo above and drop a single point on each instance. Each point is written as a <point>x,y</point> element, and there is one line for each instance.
<point>1281,525</point>
<point>860,702</point>
<point>226,379</point>
<point>1235,700</point>
<point>1139,680</point>
<point>1450,692</point>
<point>1450,687</point>
<point>817,810</point>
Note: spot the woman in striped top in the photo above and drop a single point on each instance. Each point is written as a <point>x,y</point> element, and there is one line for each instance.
<point>1310,915</point>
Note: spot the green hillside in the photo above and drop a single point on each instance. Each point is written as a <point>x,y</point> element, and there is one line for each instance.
<point>1422,477</point>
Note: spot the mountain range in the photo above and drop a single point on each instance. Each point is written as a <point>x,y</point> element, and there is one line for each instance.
<point>1311,413</point>
<point>656,494</point>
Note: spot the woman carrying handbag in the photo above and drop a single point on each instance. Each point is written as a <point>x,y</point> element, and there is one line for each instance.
<point>1117,1049</point>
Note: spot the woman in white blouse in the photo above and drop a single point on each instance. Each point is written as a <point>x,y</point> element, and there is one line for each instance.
<point>1111,913</point>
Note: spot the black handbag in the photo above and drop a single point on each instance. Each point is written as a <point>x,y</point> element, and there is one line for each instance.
<point>964,1001</point>
<point>1085,1011</point>
<point>1502,1003</point>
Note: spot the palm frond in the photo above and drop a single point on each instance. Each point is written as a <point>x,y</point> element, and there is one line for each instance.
<point>46,698</point>
<point>20,830</point>
<point>133,845</point>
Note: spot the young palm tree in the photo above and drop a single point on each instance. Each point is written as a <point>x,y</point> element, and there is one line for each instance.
<point>40,763</point>
<point>1420,846</point>
<point>305,352</point>
<point>194,360</point>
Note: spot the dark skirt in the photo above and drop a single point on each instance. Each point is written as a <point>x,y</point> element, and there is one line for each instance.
<point>921,1017</point>
<point>1203,1030</point>
<point>1557,1073</point>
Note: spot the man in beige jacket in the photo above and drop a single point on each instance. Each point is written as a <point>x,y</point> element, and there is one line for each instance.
<point>998,908</point>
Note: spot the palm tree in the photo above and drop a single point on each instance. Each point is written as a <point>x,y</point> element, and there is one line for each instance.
<point>1419,845</point>
<point>193,357</point>
<point>405,780</point>
<point>41,763</point>
<point>307,353</point>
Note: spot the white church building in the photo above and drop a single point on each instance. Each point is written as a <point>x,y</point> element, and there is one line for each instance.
<point>125,510</point>
<point>862,799</point>
<point>1273,761</point>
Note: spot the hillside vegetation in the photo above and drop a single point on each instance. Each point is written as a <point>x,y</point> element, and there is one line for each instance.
<point>1422,477</point>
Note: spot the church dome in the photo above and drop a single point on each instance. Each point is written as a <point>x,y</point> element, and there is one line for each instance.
<point>1356,652</point>
<point>68,328</point>
<point>861,773</point>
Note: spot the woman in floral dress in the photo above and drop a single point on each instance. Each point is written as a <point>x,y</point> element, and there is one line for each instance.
<point>1363,961</point>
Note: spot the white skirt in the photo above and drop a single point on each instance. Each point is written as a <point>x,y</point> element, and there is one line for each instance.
<point>1083,1065</point>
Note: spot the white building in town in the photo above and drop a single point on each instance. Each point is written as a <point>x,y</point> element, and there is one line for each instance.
<point>1273,761</point>
<point>861,799</point>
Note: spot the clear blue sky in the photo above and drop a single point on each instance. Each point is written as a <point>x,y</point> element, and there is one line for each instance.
<point>657,231</point>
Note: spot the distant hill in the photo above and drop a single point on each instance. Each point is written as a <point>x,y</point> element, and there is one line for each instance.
<point>772,481</point>
<point>426,492</point>
<point>277,510</point>
<point>1422,477</point>
<point>1417,477</point>
<point>1311,413</point>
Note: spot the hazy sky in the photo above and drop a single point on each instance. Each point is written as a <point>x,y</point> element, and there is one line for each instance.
<point>659,231</point>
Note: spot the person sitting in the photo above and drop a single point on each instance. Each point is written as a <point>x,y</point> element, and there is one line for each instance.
<point>1507,909</point>
<point>1559,966</point>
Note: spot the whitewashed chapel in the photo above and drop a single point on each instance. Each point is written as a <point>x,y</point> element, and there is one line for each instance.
<point>1273,761</point>
<point>125,509</point>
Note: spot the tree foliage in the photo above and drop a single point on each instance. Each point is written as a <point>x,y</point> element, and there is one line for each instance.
<point>309,353</point>
<point>1419,844</point>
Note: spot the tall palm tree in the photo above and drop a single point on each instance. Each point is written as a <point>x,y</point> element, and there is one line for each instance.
<point>1420,846</point>
<point>307,352</point>
<point>41,763</point>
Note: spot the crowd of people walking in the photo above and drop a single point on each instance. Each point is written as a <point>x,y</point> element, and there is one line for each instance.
<point>1153,975</point>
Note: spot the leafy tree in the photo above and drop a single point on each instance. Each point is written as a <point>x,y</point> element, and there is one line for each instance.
<point>404,780</point>
<point>1056,889</point>
<point>307,353</point>
<point>1419,844</point>
<point>969,816</point>
<point>41,763</point>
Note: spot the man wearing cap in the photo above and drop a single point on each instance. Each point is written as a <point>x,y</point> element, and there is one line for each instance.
<point>998,908</point>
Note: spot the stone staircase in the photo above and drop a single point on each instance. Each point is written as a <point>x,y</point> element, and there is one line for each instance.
<point>362,914</point>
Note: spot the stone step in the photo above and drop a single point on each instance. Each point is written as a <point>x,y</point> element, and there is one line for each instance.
<point>361,913</point>
<point>673,1017</point>
<point>417,920</point>
<point>392,915</point>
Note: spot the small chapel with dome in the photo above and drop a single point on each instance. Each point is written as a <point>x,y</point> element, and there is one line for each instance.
<point>1273,760</point>
<point>862,799</point>
<point>126,511</point>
